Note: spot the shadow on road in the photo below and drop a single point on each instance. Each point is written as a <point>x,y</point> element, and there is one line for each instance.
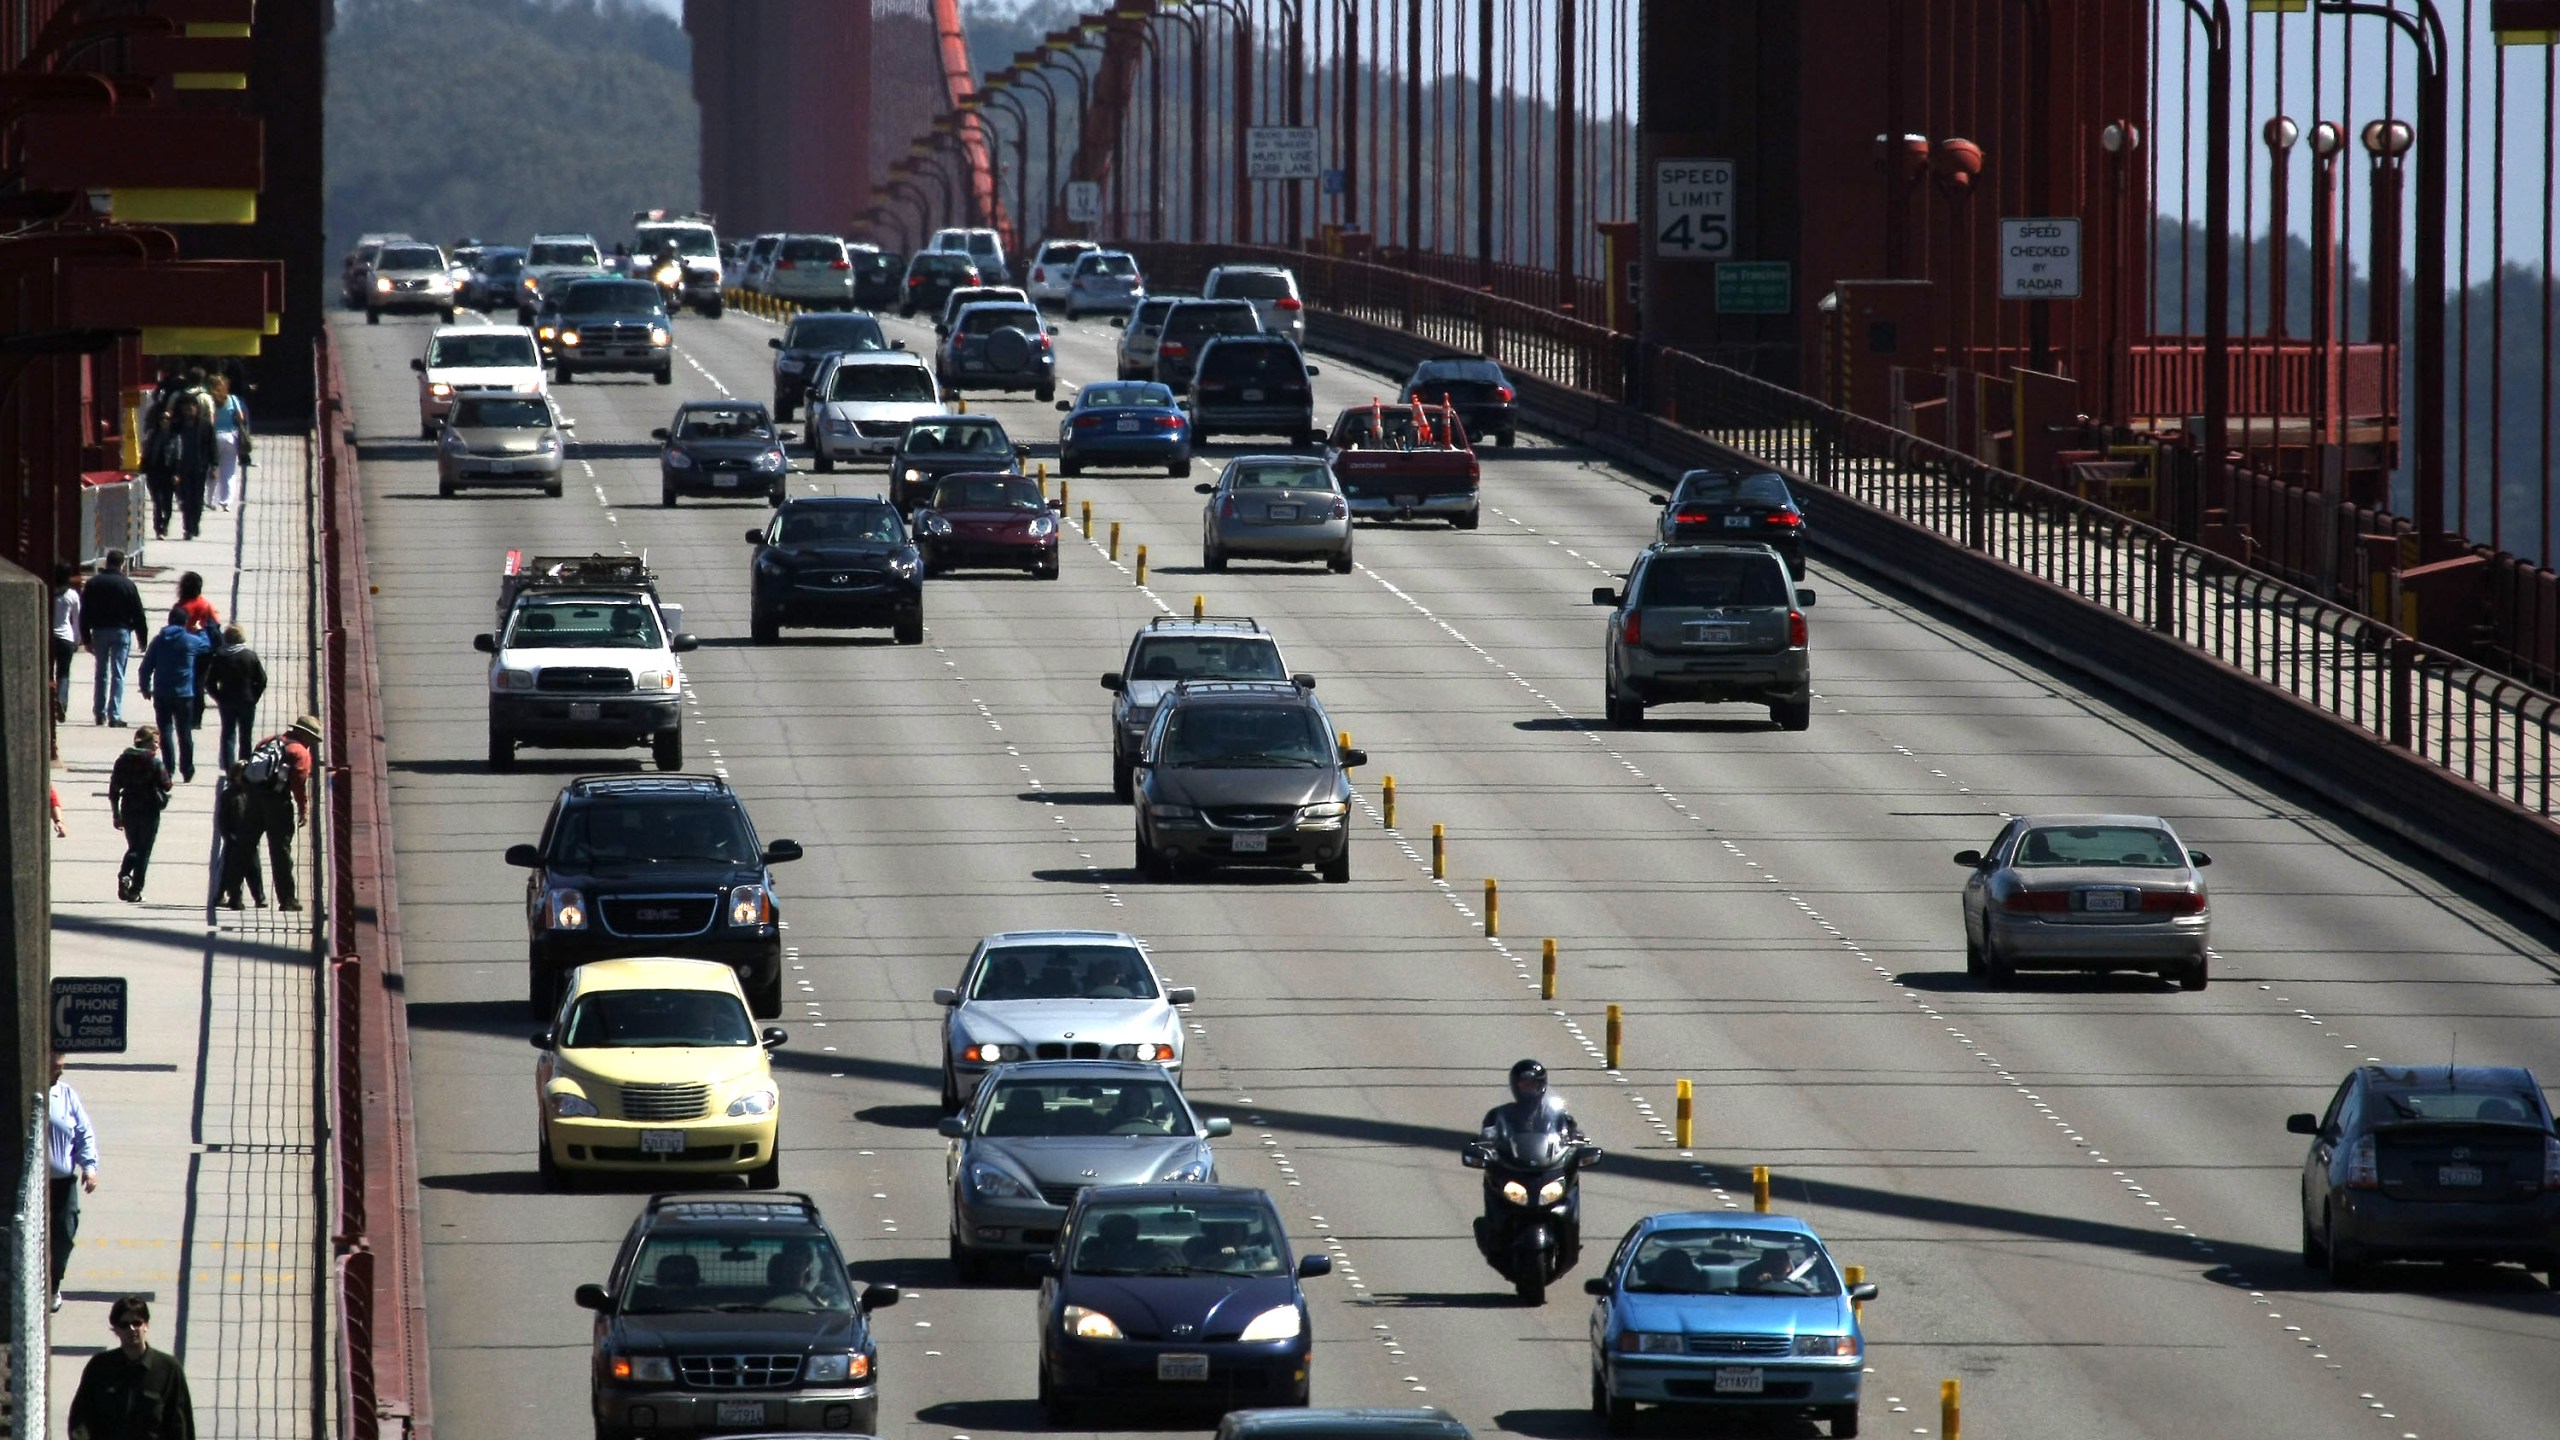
<point>1069,797</point>
<point>473,1017</point>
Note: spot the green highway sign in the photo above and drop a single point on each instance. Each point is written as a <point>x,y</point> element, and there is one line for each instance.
<point>1755,287</point>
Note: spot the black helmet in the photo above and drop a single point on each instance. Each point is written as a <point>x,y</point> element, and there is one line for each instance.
<point>1528,1081</point>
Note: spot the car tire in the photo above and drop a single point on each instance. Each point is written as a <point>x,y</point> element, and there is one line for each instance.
<point>970,1269</point>
<point>666,494</point>
<point>768,1176</point>
<point>1057,1409</point>
<point>1508,439</point>
<point>426,429</point>
<point>2346,1267</point>
<point>541,992</point>
<point>445,489</point>
<point>2315,1256</point>
<point>764,1001</point>
<point>783,410</point>
<point>1213,561</point>
<point>825,462</point>
<point>909,630</point>
<point>1339,564</point>
<point>1792,714</point>
<point>666,748</point>
<point>448,314</point>
<point>524,318</point>
<point>950,1106</point>
<point>1844,1421</point>
<point>1468,521</point>
<point>2195,976</point>
<point>1123,779</point>
<point>1046,570</point>
<point>502,749</point>
<point>372,316</point>
<point>764,627</point>
<point>1176,469</point>
<point>1997,972</point>
<point>607,1432</point>
<point>713,309</point>
<point>1616,1414</point>
<point>1046,393</point>
<point>1069,466</point>
<point>1627,713</point>
<point>1972,960</point>
<point>552,489</point>
<point>1337,871</point>
<point>666,375</point>
<point>561,374</point>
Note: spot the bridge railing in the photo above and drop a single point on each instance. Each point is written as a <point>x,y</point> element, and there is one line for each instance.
<point>2491,730</point>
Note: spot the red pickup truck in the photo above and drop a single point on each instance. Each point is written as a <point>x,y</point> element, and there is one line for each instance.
<point>1402,462</point>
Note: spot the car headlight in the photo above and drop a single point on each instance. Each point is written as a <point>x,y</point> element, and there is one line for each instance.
<point>653,680</point>
<point>995,1184</point>
<point>646,1369</point>
<point>1280,1322</point>
<point>511,680</point>
<point>1172,812</point>
<point>1087,1324</point>
<point>678,460</point>
<point>547,332</point>
<point>839,423</point>
<point>1515,1192</point>
<point>750,905</point>
<point>914,475</point>
<point>1829,1345</point>
<point>1156,1052</point>
<point>529,283</point>
<point>904,566</point>
<point>790,363</point>
<point>453,443</point>
<point>567,910</point>
<point>569,1107</point>
<point>989,1052</point>
<point>1043,526</point>
<point>772,460</point>
<point>837,1369</point>
<point>755,1102</point>
<point>440,282</point>
<point>382,283</point>
<point>568,337</point>
<point>933,525</point>
<point>1191,1170</point>
<point>439,389</point>
<point>1647,1344</point>
<point>1324,810</point>
<point>547,444</point>
<point>658,335</point>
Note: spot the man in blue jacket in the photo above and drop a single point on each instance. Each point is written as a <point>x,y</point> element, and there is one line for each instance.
<point>169,682</point>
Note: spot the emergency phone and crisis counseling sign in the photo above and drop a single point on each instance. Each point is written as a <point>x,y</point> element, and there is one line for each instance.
<point>88,1014</point>
<point>1693,209</point>
<point>2040,259</point>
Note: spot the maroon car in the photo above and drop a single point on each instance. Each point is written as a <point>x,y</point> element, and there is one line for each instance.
<point>988,520</point>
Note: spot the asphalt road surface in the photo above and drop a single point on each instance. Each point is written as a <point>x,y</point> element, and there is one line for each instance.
<point>2078,1195</point>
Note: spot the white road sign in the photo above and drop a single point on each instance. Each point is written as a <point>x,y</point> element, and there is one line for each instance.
<point>2039,259</point>
<point>1084,201</point>
<point>1693,209</point>
<point>1280,152</point>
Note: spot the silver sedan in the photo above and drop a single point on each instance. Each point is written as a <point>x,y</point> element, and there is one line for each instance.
<point>512,440</point>
<point>1056,995</point>
<point>2090,893</point>
<point>1275,507</point>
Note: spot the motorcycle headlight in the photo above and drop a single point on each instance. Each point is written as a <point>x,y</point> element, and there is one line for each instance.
<point>678,460</point>
<point>1157,1053</point>
<point>1551,1192</point>
<point>750,905</point>
<point>756,1102</point>
<point>1829,1345</point>
<point>1280,1322</point>
<point>658,335</point>
<point>837,1369</point>
<point>569,1107</point>
<point>568,910</point>
<point>1044,526</point>
<point>670,275</point>
<point>1087,1324</point>
<point>934,525</point>
<point>995,1184</point>
<point>646,1369</point>
<point>1515,1192</point>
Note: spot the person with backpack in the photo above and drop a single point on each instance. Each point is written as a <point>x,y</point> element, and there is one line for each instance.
<point>169,683</point>
<point>236,679</point>
<point>137,791</point>
<point>233,823</point>
<point>277,776</point>
<point>159,466</point>
<point>111,622</point>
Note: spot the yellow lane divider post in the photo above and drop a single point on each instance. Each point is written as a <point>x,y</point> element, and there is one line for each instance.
<point>1199,606</point>
<point>1684,1116</point>
<point>1115,542</point>
<point>1088,519</point>
<point>1492,908</point>
<point>1854,1276</point>
<point>1760,1188</point>
<point>1043,468</point>
<point>1390,790</point>
<point>1439,852</point>
<point>1547,969</point>
<point>1951,1409</point>
<point>1142,565</point>
<point>1340,737</point>
<point>1615,1043</point>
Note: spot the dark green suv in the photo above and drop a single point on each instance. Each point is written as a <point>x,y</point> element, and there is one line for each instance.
<point>1713,623</point>
<point>1243,773</point>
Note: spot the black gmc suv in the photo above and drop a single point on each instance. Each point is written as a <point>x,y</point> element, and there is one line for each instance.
<point>651,865</point>
<point>728,1313</point>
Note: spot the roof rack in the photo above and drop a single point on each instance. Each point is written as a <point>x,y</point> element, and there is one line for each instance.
<point>596,569</point>
<point>647,782</point>
<point>728,1204</point>
<point>1225,622</point>
<point>1237,687</point>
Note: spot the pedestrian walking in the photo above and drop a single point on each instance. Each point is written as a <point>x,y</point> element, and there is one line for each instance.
<point>236,679</point>
<point>230,442</point>
<point>137,791</point>
<point>200,616</point>
<point>66,636</point>
<point>111,621</point>
<point>278,779</point>
<point>190,451</point>
<point>169,682</point>
<point>160,466</point>
<point>132,1392</point>
<point>235,824</point>
<point>71,1145</point>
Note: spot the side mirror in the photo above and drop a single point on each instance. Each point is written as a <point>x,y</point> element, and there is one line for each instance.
<point>1596,1285</point>
<point>2199,859</point>
<point>1657,499</point>
<point>897,344</point>
<point>1587,1154</point>
<point>1066,407</point>
<point>1603,595</point>
<point>418,365</point>
<point>945,995</point>
<point>1113,683</point>
<point>1474,1156</point>
<point>755,537</point>
<point>683,643</point>
<point>1354,759</point>
<point>568,424</point>
<point>541,1039</point>
<point>1805,599</point>
<point>1204,488</point>
<point>524,857</point>
<point>774,344</point>
<point>1311,1266</point>
<point>1043,1264</point>
<point>658,434</point>
<point>879,1297</point>
<point>952,1127</point>
<point>1971,858</point>
<point>1057,505</point>
<point>1022,452</point>
<point>1117,322</point>
<point>2302,1124</point>
<point>1053,329</point>
<point>1303,681</point>
<point>485,644</point>
<point>774,1035</point>
<point>592,1297</point>
<point>782,852</point>
<point>1863,1291</point>
<point>786,437</point>
<point>1218,1128</point>
<point>1181,995</point>
<point>941,329</point>
<point>1314,370</point>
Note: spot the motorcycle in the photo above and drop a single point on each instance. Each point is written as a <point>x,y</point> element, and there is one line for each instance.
<point>1531,1231</point>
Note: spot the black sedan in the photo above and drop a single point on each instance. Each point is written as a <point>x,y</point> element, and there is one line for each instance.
<point>839,561</point>
<point>811,338</point>
<point>1182,1293</point>
<point>931,277</point>
<point>937,445</point>
<point>1754,506</point>
<point>2436,1162</point>
<point>723,449</point>
<point>1473,386</point>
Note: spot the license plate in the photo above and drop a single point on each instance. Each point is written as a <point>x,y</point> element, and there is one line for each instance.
<point>2457,1174</point>
<point>2105,900</point>
<point>1737,522</point>
<point>1253,397</point>
<point>1282,512</point>
<point>661,1142</point>
<point>724,482</point>
<point>1253,844</point>
<point>1714,634</point>
<point>738,1412</point>
<point>502,467</point>
<point>1738,1380</point>
<point>1407,502</point>
<point>1126,427</point>
<point>1182,1367</point>
<point>585,710</point>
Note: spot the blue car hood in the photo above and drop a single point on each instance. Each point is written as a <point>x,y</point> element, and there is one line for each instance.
<point>1147,1307</point>
<point>1734,1314</point>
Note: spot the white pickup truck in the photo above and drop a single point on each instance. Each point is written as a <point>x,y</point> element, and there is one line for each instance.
<point>584,657</point>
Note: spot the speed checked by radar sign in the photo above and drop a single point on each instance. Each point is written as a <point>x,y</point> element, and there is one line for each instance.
<point>1693,209</point>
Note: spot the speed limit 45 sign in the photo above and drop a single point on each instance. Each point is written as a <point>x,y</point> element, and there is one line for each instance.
<point>1693,209</point>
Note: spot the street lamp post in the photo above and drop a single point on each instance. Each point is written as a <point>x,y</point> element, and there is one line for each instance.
<point>999,87</point>
<point>2328,142</point>
<point>1568,140</point>
<point>2217,262</point>
<point>1195,144</point>
<point>1240,38</point>
<point>1136,21</point>
<point>1062,48</point>
<point>1027,65</point>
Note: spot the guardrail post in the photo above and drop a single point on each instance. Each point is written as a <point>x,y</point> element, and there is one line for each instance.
<point>2164,585</point>
<point>1977,515</point>
<point>2404,655</point>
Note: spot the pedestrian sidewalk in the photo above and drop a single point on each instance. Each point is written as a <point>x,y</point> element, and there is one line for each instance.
<point>207,1131</point>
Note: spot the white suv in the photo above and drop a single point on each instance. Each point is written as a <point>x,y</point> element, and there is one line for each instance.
<point>474,360</point>
<point>861,400</point>
<point>1054,267</point>
<point>984,248</point>
<point>1273,291</point>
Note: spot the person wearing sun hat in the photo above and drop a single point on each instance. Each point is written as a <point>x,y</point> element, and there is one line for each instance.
<point>277,775</point>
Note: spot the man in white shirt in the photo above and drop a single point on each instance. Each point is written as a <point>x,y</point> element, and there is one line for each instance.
<point>71,1148</point>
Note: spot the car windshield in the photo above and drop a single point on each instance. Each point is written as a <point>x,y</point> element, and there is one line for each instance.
<point>688,1272</point>
<point>1282,477</point>
<point>609,297</point>
<point>1531,1137</point>
<point>2496,1106</point>
<point>1173,1238</point>
<point>1063,253</point>
<point>987,319</point>
<point>1205,657</point>
<point>1139,394</point>
<point>1254,363</point>
<point>657,1020</point>
<point>1063,972</point>
<point>409,257</point>
<point>1185,320</point>
<point>2103,846</point>
<point>503,265</point>
<point>1730,1262</point>
<point>981,242</point>
<point>1023,1108</point>
<point>882,384</point>
<point>576,252</point>
<point>688,239</point>
<point>469,351</point>
<point>952,438</point>
<point>1118,266</point>
<point>806,247</point>
<point>1481,372</point>
<point>842,525</point>
<point>989,492</point>
<point>1713,582</point>
<point>1252,285</point>
<point>1716,487</point>
<point>1245,736</point>
<point>1151,312</point>
<point>550,624</point>
<point>725,423</point>
<point>819,333</point>
<point>641,830</point>
<point>507,413</point>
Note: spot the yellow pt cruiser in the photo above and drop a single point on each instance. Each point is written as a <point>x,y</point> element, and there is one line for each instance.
<point>654,1066</point>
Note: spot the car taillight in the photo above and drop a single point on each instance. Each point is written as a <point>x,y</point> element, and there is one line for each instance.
<point>1692,515</point>
<point>1168,422</point>
<point>1174,348</point>
<point>2172,902</point>
<point>1503,393</point>
<point>786,265</point>
<point>2038,902</point>
<point>1288,302</point>
<point>1227,508</point>
<point>2363,1173</point>
<point>2550,1163</point>
<point>1796,633</point>
<point>1039,275</point>
<point>841,265</point>
<point>1785,519</point>
<point>1341,509</point>
<point>1631,629</point>
<point>1087,422</point>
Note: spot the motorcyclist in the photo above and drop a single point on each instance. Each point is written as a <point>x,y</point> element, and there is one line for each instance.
<point>1531,1104</point>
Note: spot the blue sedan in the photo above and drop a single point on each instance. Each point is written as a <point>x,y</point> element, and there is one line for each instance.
<point>1124,422</point>
<point>1182,1293</point>
<point>1714,1309</point>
